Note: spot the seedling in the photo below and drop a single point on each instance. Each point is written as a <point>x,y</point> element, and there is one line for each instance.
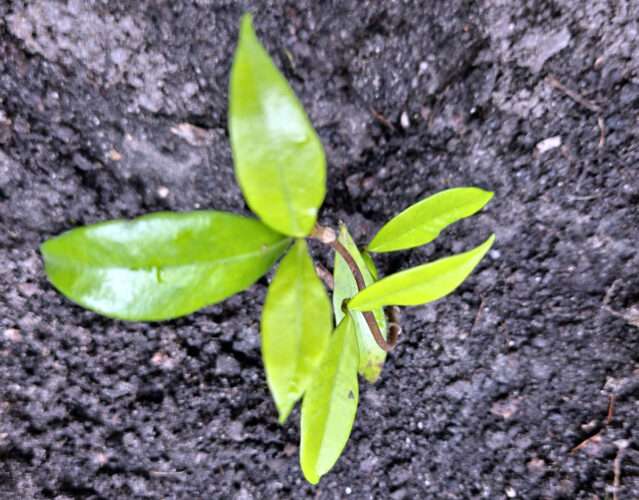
<point>166,265</point>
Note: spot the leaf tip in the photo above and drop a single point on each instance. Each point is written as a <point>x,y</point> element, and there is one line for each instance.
<point>247,32</point>
<point>310,475</point>
<point>283,412</point>
<point>43,247</point>
<point>246,23</point>
<point>373,245</point>
<point>489,242</point>
<point>487,196</point>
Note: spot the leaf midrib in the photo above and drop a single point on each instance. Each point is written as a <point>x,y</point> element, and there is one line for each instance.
<point>276,161</point>
<point>423,227</point>
<point>409,288</point>
<point>299,321</point>
<point>265,250</point>
<point>330,404</point>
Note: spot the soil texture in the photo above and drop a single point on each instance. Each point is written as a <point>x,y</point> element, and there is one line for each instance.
<point>522,384</point>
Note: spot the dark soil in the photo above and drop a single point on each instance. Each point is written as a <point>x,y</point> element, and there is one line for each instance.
<point>492,393</point>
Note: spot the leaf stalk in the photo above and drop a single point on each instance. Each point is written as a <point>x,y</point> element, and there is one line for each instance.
<point>327,236</point>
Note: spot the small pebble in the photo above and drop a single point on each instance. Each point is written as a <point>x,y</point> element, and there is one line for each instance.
<point>162,360</point>
<point>12,335</point>
<point>404,120</point>
<point>226,365</point>
<point>114,155</point>
<point>548,144</point>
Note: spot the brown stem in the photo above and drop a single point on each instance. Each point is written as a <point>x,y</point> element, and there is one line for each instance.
<point>394,328</point>
<point>328,237</point>
<point>350,262</point>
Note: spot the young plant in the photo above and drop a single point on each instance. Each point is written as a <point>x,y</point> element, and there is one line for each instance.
<point>166,265</point>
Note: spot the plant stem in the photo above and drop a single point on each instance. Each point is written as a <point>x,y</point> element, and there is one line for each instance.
<point>327,236</point>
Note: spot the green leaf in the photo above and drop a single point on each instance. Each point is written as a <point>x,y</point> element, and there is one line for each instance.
<point>421,284</point>
<point>422,222</point>
<point>371,356</point>
<point>370,265</point>
<point>279,159</point>
<point>330,404</point>
<point>296,327</point>
<point>162,265</point>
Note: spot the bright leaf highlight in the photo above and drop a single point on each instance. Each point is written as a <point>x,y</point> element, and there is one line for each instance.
<point>163,265</point>
<point>279,159</point>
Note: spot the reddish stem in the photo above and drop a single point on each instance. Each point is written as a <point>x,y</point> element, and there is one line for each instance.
<point>328,237</point>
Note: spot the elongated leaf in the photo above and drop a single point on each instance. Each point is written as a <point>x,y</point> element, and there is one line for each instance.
<point>421,284</point>
<point>371,356</point>
<point>296,327</point>
<point>162,265</point>
<point>330,404</point>
<point>422,222</point>
<point>279,159</point>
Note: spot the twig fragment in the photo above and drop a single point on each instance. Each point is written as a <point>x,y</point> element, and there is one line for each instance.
<point>602,132</point>
<point>478,315</point>
<point>621,444</point>
<point>611,409</point>
<point>575,96</point>
<point>382,119</point>
<point>631,315</point>
<point>592,439</point>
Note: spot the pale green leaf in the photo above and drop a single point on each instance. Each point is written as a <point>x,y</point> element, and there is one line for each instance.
<point>370,265</point>
<point>371,356</point>
<point>279,159</point>
<point>296,327</point>
<point>162,265</point>
<point>421,284</point>
<point>330,404</point>
<point>422,222</point>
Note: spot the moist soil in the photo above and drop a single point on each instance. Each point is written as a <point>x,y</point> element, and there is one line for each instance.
<point>524,383</point>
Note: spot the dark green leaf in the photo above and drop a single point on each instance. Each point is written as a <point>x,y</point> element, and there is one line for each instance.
<point>162,265</point>
<point>279,159</point>
<point>330,404</point>
<point>296,327</point>
<point>371,356</point>
<point>421,284</point>
<point>422,222</point>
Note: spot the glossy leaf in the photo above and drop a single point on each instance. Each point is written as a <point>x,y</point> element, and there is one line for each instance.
<point>371,356</point>
<point>421,284</point>
<point>296,327</point>
<point>422,222</point>
<point>330,404</point>
<point>279,159</point>
<point>162,265</point>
